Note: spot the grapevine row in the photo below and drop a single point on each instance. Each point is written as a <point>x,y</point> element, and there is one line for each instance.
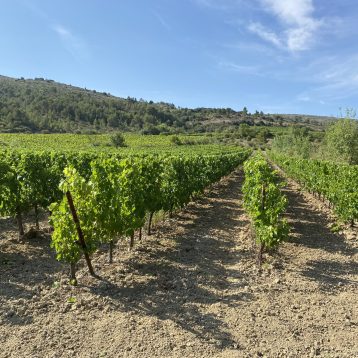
<point>335,183</point>
<point>109,196</point>
<point>265,203</point>
<point>118,195</point>
<point>30,180</point>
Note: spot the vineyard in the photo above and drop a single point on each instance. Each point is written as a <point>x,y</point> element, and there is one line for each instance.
<point>156,249</point>
<point>335,183</point>
<point>94,143</point>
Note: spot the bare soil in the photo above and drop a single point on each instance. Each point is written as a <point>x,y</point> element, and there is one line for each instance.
<point>192,289</point>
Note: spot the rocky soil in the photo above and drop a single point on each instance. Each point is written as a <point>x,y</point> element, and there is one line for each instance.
<point>192,289</point>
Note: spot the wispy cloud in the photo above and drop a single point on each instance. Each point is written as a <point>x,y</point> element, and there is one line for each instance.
<point>299,26</point>
<point>74,44</point>
<point>296,12</point>
<point>161,20</point>
<point>242,69</point>
<point>330,79</point>
<point>265,34</point>
<point>34,8</point>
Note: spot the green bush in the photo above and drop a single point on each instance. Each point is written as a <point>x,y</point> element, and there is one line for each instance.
<point>118,140</point>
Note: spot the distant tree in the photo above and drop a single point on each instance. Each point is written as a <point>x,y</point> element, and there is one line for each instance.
<point>262,136</point>
<point>176,140</point>
<point>113,120</point>
<point>341,140</point>
<point>118,140</point>
<point>150,129</point>
<point>299,131</point>
<point>245,131</point>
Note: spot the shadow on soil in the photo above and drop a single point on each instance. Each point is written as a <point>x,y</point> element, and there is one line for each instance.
<point>176,275</point>
<point>33,265</point>
<point>310,229</point>
<point>190,272</point>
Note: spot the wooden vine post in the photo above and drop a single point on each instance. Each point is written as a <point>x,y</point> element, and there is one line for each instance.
<point>262,244</point>
<point>20,223</point>
<point>81,238</point>
<point>73,273</point>
<point>37,217</point>
<point>150,222</point>
<point>131,242</point>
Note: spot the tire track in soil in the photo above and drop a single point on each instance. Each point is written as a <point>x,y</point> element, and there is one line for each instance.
<point>193,289</point>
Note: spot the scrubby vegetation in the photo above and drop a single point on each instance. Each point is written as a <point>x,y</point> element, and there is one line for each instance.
<point>42,105</point>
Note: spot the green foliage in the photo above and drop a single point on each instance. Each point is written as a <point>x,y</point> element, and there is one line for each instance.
<point>297,142</point>
<point>118,140</point>
<point>29,179</point>
<point>72,299</point>
<point>176,140</point>
<point>264,202</point>
<point>95,143</point>
<point>112,192</point>
<point>65,238</point>
<point>341,141</point>
<point>24,182</point>
<point>338,183</point>
<point>40,105</point>
<point>9,189</point>
<point>115,198</point>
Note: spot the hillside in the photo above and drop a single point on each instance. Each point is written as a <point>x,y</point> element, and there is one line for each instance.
<point>42,105</point>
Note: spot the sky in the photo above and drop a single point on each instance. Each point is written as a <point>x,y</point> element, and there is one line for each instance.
<point>278,56</point>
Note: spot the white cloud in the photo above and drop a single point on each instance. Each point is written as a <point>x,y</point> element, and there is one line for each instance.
<point>265,34</point>
<point>298,21</point>
<point>300,38</point>
<point>297,12</point>
<point>72,43</point>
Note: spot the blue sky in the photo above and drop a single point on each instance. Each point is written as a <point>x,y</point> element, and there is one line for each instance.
<point>278,56</point>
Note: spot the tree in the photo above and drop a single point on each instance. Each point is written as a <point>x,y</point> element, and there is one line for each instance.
<point>341,140</point>
<point>118,140</point>
<point>245,131</point>
<point>176,140</point>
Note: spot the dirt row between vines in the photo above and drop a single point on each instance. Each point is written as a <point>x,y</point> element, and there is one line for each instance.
<point>192,289</point>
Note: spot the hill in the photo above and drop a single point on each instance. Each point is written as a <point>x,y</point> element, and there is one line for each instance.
<point>43,105</point>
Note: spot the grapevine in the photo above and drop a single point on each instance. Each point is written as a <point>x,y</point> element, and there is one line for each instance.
<point>264,203</point>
